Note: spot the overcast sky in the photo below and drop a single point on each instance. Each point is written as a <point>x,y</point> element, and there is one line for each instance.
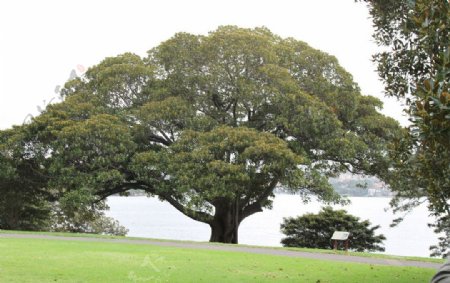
<point>41,42</point>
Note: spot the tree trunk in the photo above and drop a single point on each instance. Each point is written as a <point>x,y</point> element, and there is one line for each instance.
<point>224,232</point>
<point>224,227</point>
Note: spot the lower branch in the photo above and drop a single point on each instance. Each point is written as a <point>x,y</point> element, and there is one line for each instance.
<point>193,214</point>
<point>103,194</point>
<point>257,205</point>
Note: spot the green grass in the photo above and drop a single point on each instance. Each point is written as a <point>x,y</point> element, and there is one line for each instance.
<point>87,235</point>
<point>41,260</point>
<point>374,255</point>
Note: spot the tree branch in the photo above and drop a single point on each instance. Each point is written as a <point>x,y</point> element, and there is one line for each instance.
<point>165,137</point>
<point>103,194</point>
<point>159,139</point>
<point>256,206</point>
<point>193,214</point>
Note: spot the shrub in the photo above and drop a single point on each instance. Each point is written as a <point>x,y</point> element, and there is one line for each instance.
<point>315,231</point>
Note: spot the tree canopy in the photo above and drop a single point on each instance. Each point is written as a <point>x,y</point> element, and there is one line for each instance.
<point>213,124</point>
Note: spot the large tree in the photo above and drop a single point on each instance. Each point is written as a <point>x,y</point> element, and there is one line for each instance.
<point>213,124</point>
<point>415,67</point>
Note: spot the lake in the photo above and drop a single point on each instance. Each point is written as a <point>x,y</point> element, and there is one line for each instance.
<point>149,217</point>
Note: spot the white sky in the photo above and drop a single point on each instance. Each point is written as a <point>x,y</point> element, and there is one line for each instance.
<point>41,42</point>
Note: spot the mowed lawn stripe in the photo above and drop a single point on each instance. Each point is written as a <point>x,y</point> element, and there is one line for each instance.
<point>241,248</point>
<point>44,260</point>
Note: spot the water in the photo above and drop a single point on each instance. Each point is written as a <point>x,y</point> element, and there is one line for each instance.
<point>149,217</point>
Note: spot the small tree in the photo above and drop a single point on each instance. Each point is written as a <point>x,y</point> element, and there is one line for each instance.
<point>77,212</point>
<point>27,202</point>
<point>315,231</point>
<point>414,66</point>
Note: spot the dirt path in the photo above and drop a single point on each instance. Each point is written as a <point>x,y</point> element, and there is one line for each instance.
<point>233,248</point>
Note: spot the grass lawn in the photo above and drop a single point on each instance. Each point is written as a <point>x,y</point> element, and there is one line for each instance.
<point>363,254</point>
<point>39,260</point>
